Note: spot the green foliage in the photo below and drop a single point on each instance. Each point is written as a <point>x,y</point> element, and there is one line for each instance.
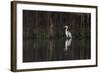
<point>41,35</point>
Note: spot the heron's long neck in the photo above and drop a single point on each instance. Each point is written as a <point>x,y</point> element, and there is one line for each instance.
<point>66,29</point>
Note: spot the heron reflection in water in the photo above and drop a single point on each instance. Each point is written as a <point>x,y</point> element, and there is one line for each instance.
<point>68,38</point>
<point>67,43</point>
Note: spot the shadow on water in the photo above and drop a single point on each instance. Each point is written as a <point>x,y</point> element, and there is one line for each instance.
<point>55,49</point>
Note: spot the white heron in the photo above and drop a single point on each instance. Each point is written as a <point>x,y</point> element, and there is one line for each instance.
<point>67,33</point>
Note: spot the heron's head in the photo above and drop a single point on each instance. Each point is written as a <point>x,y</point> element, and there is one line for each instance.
<point>66,27</point>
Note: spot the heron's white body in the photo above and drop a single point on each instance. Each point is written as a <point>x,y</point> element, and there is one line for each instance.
<point>67,33</point>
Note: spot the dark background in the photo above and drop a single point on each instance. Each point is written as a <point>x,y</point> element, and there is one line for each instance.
<point>44,36</point>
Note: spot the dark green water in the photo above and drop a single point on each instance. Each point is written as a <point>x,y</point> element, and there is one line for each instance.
<point>56,50</point>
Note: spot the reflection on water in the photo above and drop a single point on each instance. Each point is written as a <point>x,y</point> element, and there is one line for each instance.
<point>67,43</point>
<point>55,49</point>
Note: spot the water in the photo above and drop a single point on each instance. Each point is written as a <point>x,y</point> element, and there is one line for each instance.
<point>35,50</point>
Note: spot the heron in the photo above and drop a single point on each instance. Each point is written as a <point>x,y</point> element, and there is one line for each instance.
<point>67,33</point>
